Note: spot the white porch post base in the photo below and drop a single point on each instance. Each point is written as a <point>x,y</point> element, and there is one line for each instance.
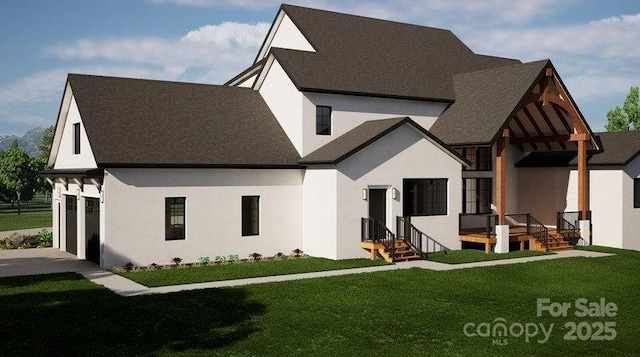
<point>585,232</point>
<point>502,239</point>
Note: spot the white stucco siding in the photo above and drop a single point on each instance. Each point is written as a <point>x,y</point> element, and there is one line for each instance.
<point>65,158</point>
<point>319,213</point>
<point>287,35</point>
<point>135,213</point>
<point>606,200</point>
<point>285,102</point>
<point>403,153</point>
<point>351,111</point>
<point>542,191</point>
<point>512,175</point>
<point>631,215</point>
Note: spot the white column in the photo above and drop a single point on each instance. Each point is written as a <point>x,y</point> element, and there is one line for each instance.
<point>103,230</point>
<point>502,239</point>
<point>585,232</point>
<point>56,206</point>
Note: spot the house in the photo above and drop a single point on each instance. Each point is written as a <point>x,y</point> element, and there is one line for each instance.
<point>347,137</point>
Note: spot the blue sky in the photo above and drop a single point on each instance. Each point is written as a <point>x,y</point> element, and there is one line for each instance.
<point>594,44</point>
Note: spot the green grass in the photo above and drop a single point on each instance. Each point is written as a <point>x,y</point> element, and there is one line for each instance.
<point>25,220</point>
<point>175,276</point>
<point>472,255</point>
<point>405,312</point>
<point>35,214</point>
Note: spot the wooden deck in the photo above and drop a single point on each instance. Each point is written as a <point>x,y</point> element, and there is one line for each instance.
<point>516,234</point>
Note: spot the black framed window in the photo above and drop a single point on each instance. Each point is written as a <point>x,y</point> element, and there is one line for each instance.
<point>76,138</point>
<point>250,215</point>
<point>175,223</point>
<point>323,120</point>
<point>480,158</point>
<point>636,193</point>
<point>476,195</point>
<point>425,197</point>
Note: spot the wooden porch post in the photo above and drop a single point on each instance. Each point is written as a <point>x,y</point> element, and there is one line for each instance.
<point>583,188</point>
<point>501,157</point>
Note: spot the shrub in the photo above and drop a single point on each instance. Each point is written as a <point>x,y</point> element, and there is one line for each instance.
<point>44,236</point>
<point>5,244</point>
<point>280,255</point>
<point>255,256</point>
<point>233,258</point>
<point>176,261</point>
<point>204,260</point>
<point>154,266</point>
<point>129,266</point>
<point>297,252</point>
<point>220,259</point>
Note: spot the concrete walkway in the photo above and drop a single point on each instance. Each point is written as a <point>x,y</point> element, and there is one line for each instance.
<point>51,260</point>
<point>30,232</point>
<point>125,287</point>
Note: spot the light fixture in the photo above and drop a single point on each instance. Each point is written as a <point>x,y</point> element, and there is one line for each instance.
<point>365,193</point>
<point>394,193</point>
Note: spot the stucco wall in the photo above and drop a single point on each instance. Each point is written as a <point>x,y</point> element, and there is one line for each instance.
<point>631,216</point>
<point>287,35</point>
<point>66,159</point>
<point>285,101</point>
<point>543,192</point>
<point>135,213</point>
<point>606,202</point>
<point>351,111</point>
<point>384,164</point>
<point>319,212</point>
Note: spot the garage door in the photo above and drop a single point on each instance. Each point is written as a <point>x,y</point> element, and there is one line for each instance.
<point>92,229</point>
<point>71,224</point>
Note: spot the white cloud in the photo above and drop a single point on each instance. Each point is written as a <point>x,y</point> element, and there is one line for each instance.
<point>226,48</point>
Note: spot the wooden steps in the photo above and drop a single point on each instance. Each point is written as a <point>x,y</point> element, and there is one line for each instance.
<point>403,251</point>
<point>556,243</point>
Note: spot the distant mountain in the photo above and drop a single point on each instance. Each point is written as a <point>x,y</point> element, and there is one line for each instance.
<point>28,142</point>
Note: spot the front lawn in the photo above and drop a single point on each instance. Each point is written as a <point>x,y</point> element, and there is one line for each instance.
<point>201,274</point>
<point>11,221</point>
<point>411,312</point>
<point>473,255</point>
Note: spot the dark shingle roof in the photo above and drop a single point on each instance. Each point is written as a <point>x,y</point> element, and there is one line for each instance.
<point>619,148</point>
<point>484,101</point>
<point>362,136</point>
<point>134,122</point>
<point>359,55</point>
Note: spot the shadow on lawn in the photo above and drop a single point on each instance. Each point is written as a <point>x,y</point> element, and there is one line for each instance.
<point>89,320</point>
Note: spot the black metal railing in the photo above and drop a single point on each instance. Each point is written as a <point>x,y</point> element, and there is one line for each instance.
<point>525,223</point>
<point>567,224</point>
<point>470,223</point>
<point>374,230</point>
<point>419,240</point>
<point>539,231</point>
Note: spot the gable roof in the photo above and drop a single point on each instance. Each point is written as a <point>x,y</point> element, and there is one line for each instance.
<point>365,56</point>
<point>146,123</point>
<point>362,136</point>
<point>484,101</point>
<point>619,148</point>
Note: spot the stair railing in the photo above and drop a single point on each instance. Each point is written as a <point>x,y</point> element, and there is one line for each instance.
<point>375,231</point>
<point>415,237</point>
<point>539,231</point>
<point>568,231</point>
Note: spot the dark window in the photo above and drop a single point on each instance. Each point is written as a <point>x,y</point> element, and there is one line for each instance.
<point>323,120</point>
<point>250,215</point>
<point>174,218</point>
<point>476,195</point>
<point>425,197</point>
<point>636,193</point>
<point>76,138</point>
<point>480,158</point>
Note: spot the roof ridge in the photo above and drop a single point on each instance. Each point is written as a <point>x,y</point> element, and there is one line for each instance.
<point>71,74</point>
<point>503,67</point>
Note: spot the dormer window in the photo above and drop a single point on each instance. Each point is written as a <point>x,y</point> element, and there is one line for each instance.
<point>76,138</point>
<point>323,120</point>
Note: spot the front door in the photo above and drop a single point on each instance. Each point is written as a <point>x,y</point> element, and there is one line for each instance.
<point>378,205</point>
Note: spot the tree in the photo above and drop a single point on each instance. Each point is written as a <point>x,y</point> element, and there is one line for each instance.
<point>628,117</point>
<point>45,143</point>
<point>18,172</point>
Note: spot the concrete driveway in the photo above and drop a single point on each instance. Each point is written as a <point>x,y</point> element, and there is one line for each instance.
<point>40,261</point>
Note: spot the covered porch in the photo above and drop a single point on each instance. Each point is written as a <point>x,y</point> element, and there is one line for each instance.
<point>536,206</point>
